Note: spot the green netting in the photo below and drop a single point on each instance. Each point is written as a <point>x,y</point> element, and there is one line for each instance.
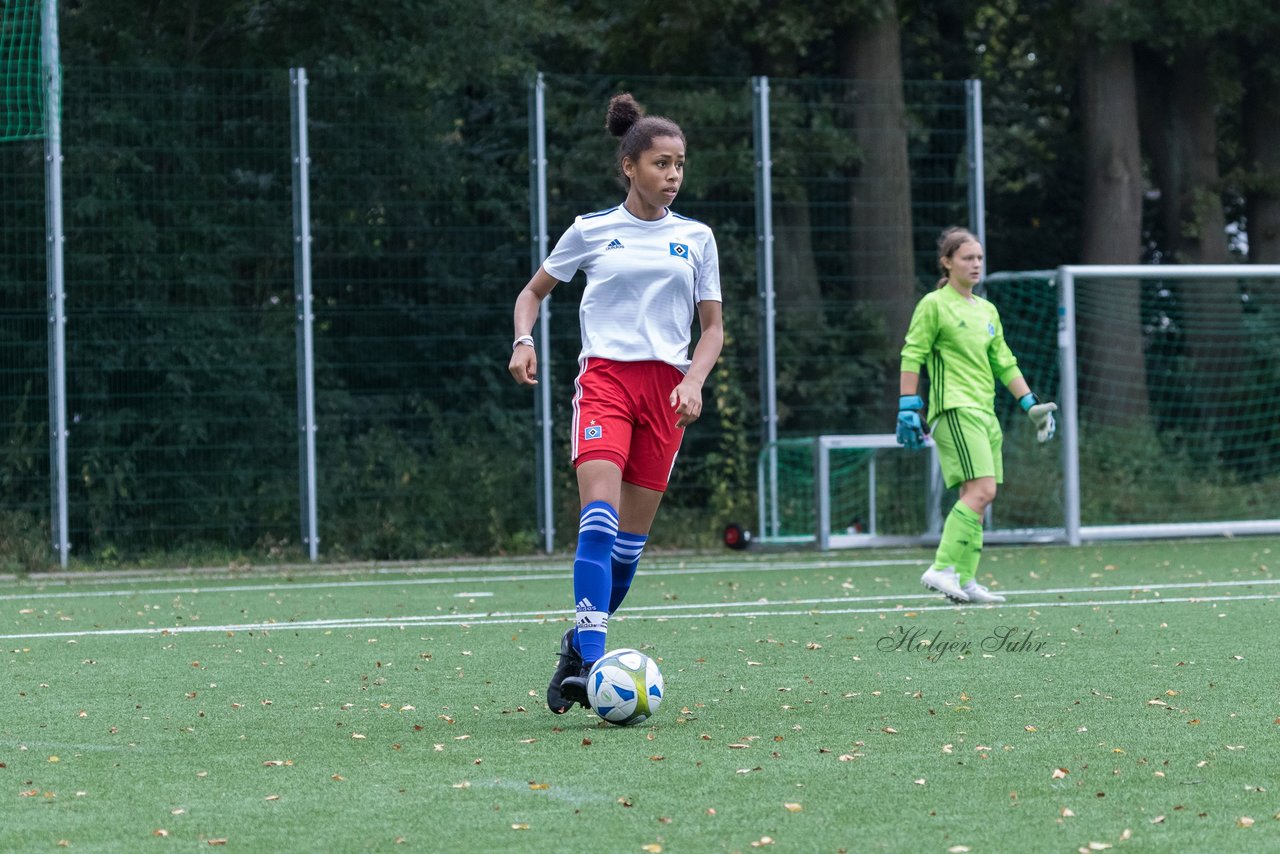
<point>181,366</point>
<point>1031,495</point>
<point>857,209</point>
<point>1178,410</point>
<point>21,87</point>
<point>900,487</point>
<point>1179,398</point>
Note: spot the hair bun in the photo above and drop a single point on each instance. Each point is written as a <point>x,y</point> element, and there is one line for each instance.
<point>623,113</point>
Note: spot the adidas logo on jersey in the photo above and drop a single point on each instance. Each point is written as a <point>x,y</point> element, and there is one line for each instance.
<point>615,244</point>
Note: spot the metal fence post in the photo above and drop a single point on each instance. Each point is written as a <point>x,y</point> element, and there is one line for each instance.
<point>56,281</point>
<point>305,311</point>
<point>973,135</point>
<point>539,243</point>
<point>765,289</point>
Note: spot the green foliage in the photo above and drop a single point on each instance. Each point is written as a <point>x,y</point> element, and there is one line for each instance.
<point>414,495</point>
<point>24,543</point>
<point>1132,475</point>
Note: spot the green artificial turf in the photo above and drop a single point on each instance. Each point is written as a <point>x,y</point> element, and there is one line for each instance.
<point>804,710</point>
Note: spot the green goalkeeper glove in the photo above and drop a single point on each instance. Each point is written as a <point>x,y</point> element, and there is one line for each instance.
<point>1041,415</point>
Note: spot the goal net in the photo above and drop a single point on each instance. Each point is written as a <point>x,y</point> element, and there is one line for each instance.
<point>1169,419</point>
<point>21,85</point>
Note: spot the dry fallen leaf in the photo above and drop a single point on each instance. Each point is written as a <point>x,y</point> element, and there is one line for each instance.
<point>1245,821</point>
<point>792,807</point>
<point>652,848</point>
<point>520,826</point>
<point>161,832</point>
<point>1059,773</point>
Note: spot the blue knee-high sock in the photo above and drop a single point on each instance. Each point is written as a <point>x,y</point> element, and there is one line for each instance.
<point>626,555</point>
<point>592,577</point>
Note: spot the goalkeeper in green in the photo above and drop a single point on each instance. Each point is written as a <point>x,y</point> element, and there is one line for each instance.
<point>957,337</point>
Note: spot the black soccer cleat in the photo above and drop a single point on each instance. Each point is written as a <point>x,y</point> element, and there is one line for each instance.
<point>569,666</point>
<point>574,689</point>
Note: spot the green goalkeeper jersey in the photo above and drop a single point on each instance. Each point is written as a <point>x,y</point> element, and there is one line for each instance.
<point>961,343</point>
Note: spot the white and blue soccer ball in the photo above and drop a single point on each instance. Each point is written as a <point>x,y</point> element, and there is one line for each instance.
<point>625,687</point>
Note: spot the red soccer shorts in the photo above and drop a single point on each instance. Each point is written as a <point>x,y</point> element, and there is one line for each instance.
<point>622,413</point>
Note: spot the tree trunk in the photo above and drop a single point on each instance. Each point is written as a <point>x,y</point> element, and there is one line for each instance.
<point>1110,347</point>
<point>1262,162</point>
<point>1181,132</point>
<point>881,261</point>
<point>799,296</point>
<point>1183,140</point>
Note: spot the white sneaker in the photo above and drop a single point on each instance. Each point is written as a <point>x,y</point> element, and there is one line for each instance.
<point>944,581</point>
<point>978,593</point>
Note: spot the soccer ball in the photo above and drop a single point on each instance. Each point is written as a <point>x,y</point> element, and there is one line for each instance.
<point>625,687</point>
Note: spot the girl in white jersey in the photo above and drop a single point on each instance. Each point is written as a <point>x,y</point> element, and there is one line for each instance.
<point>649,272</point>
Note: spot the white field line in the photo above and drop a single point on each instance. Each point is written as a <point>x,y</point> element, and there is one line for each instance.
<point>558,575</point>
<point>718,611</point>
<point>194,577</point>
<point>563,575</point>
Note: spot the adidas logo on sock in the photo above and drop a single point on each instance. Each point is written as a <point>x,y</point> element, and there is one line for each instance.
<point>615,244</point>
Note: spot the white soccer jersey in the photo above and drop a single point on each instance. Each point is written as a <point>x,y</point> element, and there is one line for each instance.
<point>644,281</point>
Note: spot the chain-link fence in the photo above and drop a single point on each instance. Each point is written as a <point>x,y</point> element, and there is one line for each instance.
<point>182,362</point>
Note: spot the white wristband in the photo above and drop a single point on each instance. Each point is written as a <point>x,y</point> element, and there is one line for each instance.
<point>523,339</point>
